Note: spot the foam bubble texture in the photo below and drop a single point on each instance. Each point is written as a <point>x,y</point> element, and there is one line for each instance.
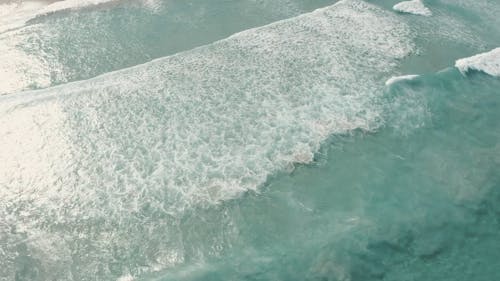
<point>128,150</point>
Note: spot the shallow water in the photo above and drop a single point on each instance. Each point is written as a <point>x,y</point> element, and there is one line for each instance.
<point>276,154</point>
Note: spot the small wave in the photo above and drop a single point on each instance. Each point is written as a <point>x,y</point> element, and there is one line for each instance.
<point>415,7</point>
<point>396,79</point>
<point>488,62</point>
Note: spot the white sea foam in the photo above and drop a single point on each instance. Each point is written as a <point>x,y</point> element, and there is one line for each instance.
<point>71,5</point>
<point>20,69</point>
<point>217,120</point>
<point>488,62</point>
<point>230,101</point>
<point>192,129</point>
<point>16,14</point>
<point>415,7</point>
<point>24,64</point>
<point>396,79</point>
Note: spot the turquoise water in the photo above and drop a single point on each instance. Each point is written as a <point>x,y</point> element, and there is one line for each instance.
<point>384,206</point>
<point>276,154</point>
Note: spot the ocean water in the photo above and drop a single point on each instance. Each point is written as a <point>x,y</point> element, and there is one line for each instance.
<point>250,140</point>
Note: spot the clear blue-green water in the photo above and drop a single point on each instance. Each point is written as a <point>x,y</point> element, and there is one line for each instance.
<point>250,140</point>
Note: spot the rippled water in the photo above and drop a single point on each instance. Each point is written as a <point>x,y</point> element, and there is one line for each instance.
<point>266,140</point>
